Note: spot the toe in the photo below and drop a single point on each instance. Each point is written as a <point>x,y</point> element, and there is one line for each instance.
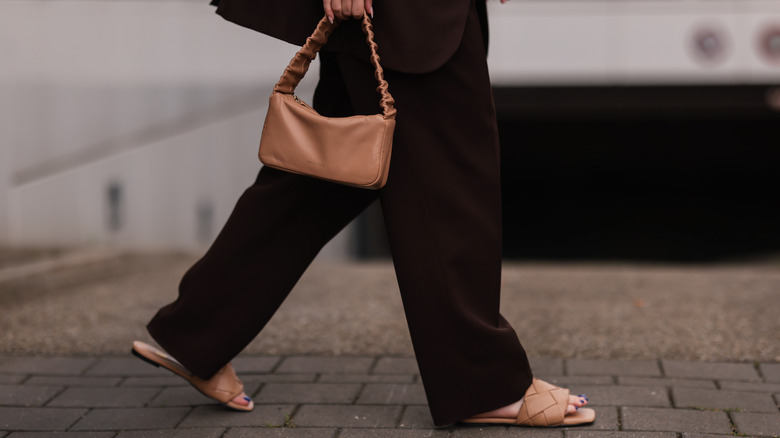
<point>578,400</point>
<point>242,400</point>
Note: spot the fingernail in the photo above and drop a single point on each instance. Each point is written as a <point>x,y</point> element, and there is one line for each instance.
<point>247,398</point>
<point>330,18</point>
<point>371,12</point>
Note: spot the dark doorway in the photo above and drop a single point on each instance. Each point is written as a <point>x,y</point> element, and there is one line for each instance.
<point>647,173</point>
<point>633,173</point>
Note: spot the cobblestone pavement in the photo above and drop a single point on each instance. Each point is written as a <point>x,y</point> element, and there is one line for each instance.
<point>335,360</point>
<point>379,396</point>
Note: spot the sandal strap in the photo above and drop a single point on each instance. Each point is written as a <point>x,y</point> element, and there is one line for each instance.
<point>223,386</point>
<point>544,404</point>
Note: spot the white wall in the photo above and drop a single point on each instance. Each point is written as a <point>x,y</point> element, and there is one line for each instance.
<point>615,42</point>
<point>166,99</point>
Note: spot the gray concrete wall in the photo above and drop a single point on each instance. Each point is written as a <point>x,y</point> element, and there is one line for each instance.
<point>135,123</point>
<point>630,42</point>
<point>128,123</point>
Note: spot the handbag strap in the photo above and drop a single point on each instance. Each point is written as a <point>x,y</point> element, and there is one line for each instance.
<point>300,63</point>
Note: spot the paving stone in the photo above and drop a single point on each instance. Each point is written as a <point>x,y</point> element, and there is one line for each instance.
<point>38,419</point>
<point>709,370</point>
<point>334,393</point>
<point>393,433</point>
<point>590,434</point>
<point>10,379</point>
<point>330,365</point>
<point>255,364</point>
<point>547,366</point>
<point>705,435</point>
<point>279,378</point>
<point>664,381</point>
<point>125,366</point>
<point>12,395</point>
<point>501,432</point>
<point>52,366</point>
<point>416,417</point>
<point>651,396</point>
<point>181,396</point>
<point>606,420</point>
<point>393,394</point>
<point>131,419</point>
<point>148,382</point>
<point>203,432</point>
<point>709,399</point>
<point>731,385</point>
<point>396,365</point>
<point>280,432</point>
<point>104,397</point>
<point>73,381</point>
<point>601,367</point>
<point>366,378</point>
<point>771,371</point>
<point>188,396</point>
<point>347,416</point>
<point>61,435</point>
<point>675,420</point>
<point>757,424</point>
<point>220,416</point>
<point>567,381</point>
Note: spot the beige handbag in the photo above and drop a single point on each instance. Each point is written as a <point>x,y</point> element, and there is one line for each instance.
<point>348,150</point>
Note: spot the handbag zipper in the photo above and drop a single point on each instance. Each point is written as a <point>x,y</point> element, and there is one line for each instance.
<point>297,99</point>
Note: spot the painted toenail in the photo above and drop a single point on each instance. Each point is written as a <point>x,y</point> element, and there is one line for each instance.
<point>247,398</point>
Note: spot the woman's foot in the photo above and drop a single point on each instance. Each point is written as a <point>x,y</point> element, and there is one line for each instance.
<point>511,411</point>
<point>223,386</point>
<point>543,405</point>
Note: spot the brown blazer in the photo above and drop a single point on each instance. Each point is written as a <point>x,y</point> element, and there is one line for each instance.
<point>414,36</point>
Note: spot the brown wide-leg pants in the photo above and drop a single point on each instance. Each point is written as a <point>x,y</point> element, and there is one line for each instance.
<point>442,209</point>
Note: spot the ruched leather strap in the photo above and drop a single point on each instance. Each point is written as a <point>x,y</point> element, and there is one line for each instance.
<point>299,65</point>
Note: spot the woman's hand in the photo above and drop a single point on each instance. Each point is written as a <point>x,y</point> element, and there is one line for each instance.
<point>346,9</point>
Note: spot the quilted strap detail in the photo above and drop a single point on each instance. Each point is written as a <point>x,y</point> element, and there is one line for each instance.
<point>544,404</point>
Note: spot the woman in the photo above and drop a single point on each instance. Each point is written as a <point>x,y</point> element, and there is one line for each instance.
<point>441,205</point>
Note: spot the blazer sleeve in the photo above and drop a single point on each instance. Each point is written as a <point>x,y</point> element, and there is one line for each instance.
<point>414,36</point>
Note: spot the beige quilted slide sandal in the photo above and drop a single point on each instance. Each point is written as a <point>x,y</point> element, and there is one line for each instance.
<point>544,405</point>
<point>222,387</point>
